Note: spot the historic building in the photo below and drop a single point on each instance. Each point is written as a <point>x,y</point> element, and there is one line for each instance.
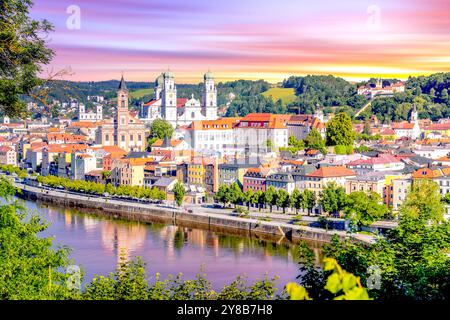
<point>378,89</point>
<point>180,111</point>
<point>409,129</point>
<point>84,115</point>
<point>124,130</point>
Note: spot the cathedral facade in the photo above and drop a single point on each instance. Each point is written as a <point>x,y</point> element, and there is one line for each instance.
<point>125,130</point>
<point>180,111</point>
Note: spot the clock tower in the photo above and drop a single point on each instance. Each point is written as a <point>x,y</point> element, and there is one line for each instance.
<point>169,98</point>
<point>210,96</point>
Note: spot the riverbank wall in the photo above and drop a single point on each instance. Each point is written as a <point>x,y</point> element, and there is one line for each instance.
<point>151,213</point>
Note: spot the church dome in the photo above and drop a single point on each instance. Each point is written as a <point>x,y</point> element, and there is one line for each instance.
<point>168,74</point>
<point>208,75</point>
<point>159,81</point>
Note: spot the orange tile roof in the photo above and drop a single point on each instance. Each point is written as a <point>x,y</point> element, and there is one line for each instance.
<point>4,149</point>
<point>445,158</point>
<point>446,171</point>
<point>387,132</point>
<point>402,125</point>
<point>140,161</point>
<point>116,155</point>
<point>219,124</point>
<point>328,172</point>
<point>294,162</point>
<point>173,143</point>
<point>255,120</point>
<point>438,127</point>
<point>427,173</point>
<point>84,124</point>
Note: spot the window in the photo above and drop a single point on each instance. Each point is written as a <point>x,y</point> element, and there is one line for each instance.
<point>123,138</point>
<point>131,137</point>
<point>192,115</point>
<point>139,138</point>
<point>107,137</point>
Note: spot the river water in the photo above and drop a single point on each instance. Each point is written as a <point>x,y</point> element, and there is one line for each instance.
<point>167,249</point>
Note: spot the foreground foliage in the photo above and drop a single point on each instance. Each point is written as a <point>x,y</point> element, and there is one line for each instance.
<point>411,262</point>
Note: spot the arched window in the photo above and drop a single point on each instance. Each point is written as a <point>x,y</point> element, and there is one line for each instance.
<point>107,137</point>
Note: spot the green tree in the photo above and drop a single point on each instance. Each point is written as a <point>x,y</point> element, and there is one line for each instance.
<point>333,198</point>
<point>106,174</point>
<point>424,202</point>
<point>366,129</point>
<point>127,283</point>
<point>247,197</point>
<point>255,198</point>
<point>444,96</point>
<point>283,199</point>
<point>222,194</point>
<point>179,192</point>
<point>160,129</point>
<point>235,194</point>
<point>344,285</point>
<point>315,141</point>
<point>297,200</point>
<point>412,259</point>
<point>270,197</point>
<point>364,209</point>
<point>30,268</point>
<point>340,130</point>
<point>23,52</point>
<point>261,199</point>
<point>309,200</point>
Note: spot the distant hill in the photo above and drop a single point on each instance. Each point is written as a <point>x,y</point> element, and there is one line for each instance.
<point>296,94</point>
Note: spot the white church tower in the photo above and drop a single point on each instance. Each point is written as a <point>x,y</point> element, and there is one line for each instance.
<point>169,99</point>
<point>159,83</point>
<point>99,112</point>
<point>210,97</point>
<point>416,132</point>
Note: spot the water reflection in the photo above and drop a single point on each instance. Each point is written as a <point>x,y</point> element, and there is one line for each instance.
<point>97,243</point>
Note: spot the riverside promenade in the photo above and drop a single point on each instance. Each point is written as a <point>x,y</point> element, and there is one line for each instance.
<point>147,213</point>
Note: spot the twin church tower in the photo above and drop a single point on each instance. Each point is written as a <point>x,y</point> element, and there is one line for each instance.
<point>180,111</point>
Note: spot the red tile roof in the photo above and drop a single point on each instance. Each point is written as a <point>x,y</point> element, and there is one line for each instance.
<point>402,125</point>
<point>438,127</point>
<point>380,159</point>
<point>329,172</point>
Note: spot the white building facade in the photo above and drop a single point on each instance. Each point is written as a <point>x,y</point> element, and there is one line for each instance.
<point>180,111</point>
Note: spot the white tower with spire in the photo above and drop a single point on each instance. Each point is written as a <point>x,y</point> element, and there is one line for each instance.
<point>169,98</point>
<point>416,132</point>
<point>210,96</point>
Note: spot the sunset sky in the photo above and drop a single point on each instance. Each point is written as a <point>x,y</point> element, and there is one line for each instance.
<point>248,39</point>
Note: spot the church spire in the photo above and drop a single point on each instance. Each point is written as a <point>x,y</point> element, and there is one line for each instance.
<point>122,84</point>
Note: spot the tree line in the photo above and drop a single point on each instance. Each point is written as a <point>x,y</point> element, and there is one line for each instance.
<point>101,189</point>
<point>361,208</point>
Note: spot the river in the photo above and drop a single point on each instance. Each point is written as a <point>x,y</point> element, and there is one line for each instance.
<point>97,242</point>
